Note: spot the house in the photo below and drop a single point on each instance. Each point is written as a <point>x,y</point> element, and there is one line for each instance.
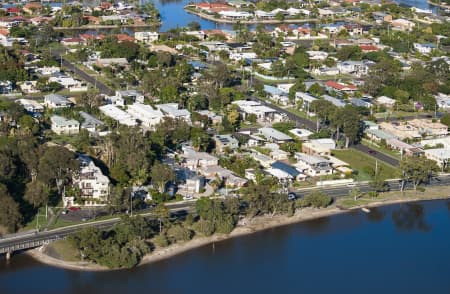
<point>194,160</point>
<point>148,116</point>
<point>340,87</point>
<point>260,14</point>
<point>48,70</point>
<point>107,62</point>
<point>306,100</point>
<point>335,101</point>
<point>313,165</point>
<point>358,68</point>
<point>195,184</point>
<point>424,48</point>
<point>62,125</point>
<point>28,87</point>
<point>402,24</point>
<point>277,94</point>
<point>317,55</point>
<point>225,142</point>
<point>93,184</point>
<point>263,113</point>
<point>172,110</point>
<point>361,102</point>
<point>6,87</point>
<point>302,134</point>
<point>54,101</point>
<point>31,106</point>
<point>400,130</point>
<point>378,135</point>
<point>386,101</point>
<point>5,40</point>
<point>146,37</point>
<point>403,147</point>
<point>118,115</point>
<point>273,135</point>
<point>90,123</point>
<point>32,7</point>
<point>235,15</point>
<point>284,171</point>
<point>428,128</point>
<point>130,96</point>
<point>440,155</point>
<point>443,101</point>
<point>320,147</point>
<point>71,42</point>
<point>69,83</point>
<point>381,17</point>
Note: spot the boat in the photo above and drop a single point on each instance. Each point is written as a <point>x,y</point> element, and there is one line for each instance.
<point>365,209</point>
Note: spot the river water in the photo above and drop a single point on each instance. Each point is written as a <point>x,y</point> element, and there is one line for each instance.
<point>394,249</point>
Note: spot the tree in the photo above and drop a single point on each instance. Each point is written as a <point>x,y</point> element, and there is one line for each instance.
<point>36,194</point>
<point>56,167</point>
<point>445,119</point>
<point>162,213</point>
<point>161,174</point>
<point>10,216</point>
<point>194,26</point>
<point>417,170</point>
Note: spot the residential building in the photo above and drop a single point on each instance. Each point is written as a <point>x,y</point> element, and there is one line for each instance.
<point>263,113</point>
<point>107,62</point>
<point>386,101</point>
<point>424,48</point>
<point>306,100</point>
<point>302,134</point>
<point>90,123</point>
<point>94,185</point>
<point>277,94</point>
<point>284,172</point>
<point>320,147</point>
<point>55,101</point>
<point>130,96</point>
<point>5,40</point>
<point>31,105</point>
<point>427,128</point>
<point>440,155</point>
<point>6,87</point>
<point>172,110</point>
<point>118,115</point>
<point>225,142</point>
<point>146,114</point>
<point>69,83</point>
<point>146,37</point>
<point>62,125</point>
<point>313,165</point>
<point>273,135</point>
<point>340,87</point>
<point>194,160</point>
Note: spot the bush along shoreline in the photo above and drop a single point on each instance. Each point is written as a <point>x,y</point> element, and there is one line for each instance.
<point>126,243</point>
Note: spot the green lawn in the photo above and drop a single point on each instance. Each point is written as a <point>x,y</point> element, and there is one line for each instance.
<point>362,163</point>
<point>65,250</point>
<point>388,152</point>
<point>299,113</point>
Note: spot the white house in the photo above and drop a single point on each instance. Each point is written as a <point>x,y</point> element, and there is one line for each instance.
<point>273,135</point>
<point>31,105</point>
<point>357,68</point>
<point>424,48</point>
<point>5,40</point>
<point>313,165</point>
<point>146,37</point>
<point>69,83</point>
<point>62,125</point>
<point>440,155</point>
<point>118,115</point>
<point>224,142</point>
<point>148,116</point>
<point>55,101</point>
<point>93,184</point>
<point>172,110</point>
<point>386,101</point>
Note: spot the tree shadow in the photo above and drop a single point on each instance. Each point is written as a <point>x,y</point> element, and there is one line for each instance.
<point>376,215</point>
<point>410,217</point>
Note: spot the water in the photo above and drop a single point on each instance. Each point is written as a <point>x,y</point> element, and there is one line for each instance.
<point>396,249</point>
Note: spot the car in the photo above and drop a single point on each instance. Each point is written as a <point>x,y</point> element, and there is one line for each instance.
<point>351,185</point>
<point>292,196</point>
<point>65,211</point>
<point>372,152</point>
<point>188,197</point>
<point>73,208</point>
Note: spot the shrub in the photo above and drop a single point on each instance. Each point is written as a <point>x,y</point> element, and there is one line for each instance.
<point>204,227</point>
<point>161,241</point>
<point>178,233</point>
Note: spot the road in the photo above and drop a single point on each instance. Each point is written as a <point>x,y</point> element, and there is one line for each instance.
<point>300,121</point>
<point>394,185</point>
<point>378,155</point>
<point>104,89</point>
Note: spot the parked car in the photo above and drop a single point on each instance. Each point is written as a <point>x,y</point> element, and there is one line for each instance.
<point>372,152</point>
<point>73,208</point>
<point>292,196</point>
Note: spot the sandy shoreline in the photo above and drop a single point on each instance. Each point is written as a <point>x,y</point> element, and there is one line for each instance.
<point>254,225</point>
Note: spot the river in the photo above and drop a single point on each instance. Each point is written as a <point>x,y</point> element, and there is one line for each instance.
<point>394,249</point>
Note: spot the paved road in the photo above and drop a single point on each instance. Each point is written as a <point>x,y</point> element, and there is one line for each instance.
<point>378,155</point>
<point>300,121</point>
<point>394,185</point>
<point>104,89</point>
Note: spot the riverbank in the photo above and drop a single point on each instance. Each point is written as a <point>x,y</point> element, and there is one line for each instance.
<point>438,4</point>
<point>246,227</point>
<point>256,21</point>
<point>106,27</point>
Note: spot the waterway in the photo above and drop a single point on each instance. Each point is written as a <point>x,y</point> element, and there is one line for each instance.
<point>394,249</point>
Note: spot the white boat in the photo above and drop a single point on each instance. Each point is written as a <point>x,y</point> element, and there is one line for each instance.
<point>365,209</point>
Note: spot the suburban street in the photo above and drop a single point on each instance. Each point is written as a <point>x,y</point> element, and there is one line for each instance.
<point>104,89</point>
